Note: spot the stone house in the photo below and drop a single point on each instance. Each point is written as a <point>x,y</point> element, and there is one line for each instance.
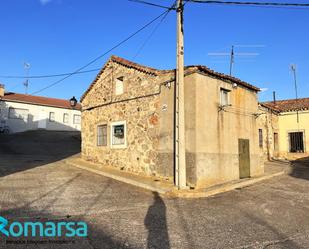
<point>128,122</point>
<point>22,112</point>
<point>284,129</point>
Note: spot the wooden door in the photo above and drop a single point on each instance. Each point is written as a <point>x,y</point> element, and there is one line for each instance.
<point>244,158</point>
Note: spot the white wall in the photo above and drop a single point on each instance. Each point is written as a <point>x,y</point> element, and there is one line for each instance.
<point>37,115</point>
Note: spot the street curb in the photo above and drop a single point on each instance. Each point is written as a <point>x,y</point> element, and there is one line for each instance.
<point>222,189</point>
<point>123,179</point>
<point>175,193</point>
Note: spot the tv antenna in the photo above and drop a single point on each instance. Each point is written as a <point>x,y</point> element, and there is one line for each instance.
<point>293,69</point>
<point>26,82</point>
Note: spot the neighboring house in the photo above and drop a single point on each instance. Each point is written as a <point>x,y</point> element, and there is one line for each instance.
<point>128,122</point>
<point>22,112</point>
<point>284,129</point>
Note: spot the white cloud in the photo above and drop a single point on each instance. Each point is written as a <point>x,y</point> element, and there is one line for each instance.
<point>44,2</point>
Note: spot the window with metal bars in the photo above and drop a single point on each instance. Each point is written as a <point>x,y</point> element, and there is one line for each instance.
<point>296,140</point>
<point>102,135</point>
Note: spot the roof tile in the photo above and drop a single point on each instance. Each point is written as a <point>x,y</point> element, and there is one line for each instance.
<point>39,100</point>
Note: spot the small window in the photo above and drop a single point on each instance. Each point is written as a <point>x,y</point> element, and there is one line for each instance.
<point>52,117</point>
<point>276,142</point>
<point>102,135</point>
<point>17,113</point>
<point>260,138</point>
<point>76,119</point>
<point>118,134</point>
<point>296,140</point>
<point>65,118</point>
<point>224,97</point>
<point>119,86</point>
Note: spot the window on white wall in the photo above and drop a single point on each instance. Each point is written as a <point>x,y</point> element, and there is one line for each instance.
<point>76,119</point>
<point>52,117</point>
<point>224,97</point>
<point>118,134</point>
<point>119,88</point>
<point>17,113</point>
<point>65,118</point>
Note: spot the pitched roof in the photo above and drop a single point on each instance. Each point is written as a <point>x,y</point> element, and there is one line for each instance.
<point>156,72</point>
<point>39,100</point>
<point>222,76</point>
<point>288,105</point>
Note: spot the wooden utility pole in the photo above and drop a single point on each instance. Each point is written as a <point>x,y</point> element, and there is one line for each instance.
<point>180,153</point>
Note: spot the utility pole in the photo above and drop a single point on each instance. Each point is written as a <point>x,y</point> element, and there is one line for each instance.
<point>180,150</point>
<point>232,60</point>
<point>26,82</point>
<point>293,68</point>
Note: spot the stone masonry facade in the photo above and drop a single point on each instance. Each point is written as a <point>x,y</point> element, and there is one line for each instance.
<point>138,106</point>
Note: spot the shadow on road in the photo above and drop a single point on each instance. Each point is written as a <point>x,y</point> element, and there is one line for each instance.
<point>300,168</point>
<point>23,151</point>
<point>155,223</point>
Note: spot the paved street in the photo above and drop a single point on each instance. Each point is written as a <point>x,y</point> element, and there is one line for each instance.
<point>36,186</point>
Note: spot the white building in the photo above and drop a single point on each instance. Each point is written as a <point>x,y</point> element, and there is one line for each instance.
<point>22,112</point>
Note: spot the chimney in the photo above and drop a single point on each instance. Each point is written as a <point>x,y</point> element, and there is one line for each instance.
<point>1,90</point>
<point>274,97</point>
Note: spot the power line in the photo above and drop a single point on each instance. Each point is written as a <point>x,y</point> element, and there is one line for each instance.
<point>252,3</point>
<point>153,4</point>
<point>46,76</point>
<point>154,30</point>
<point>102,55</point>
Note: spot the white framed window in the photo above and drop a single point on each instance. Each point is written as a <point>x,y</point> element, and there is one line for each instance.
<point>224,97</point>
<point>102,135</point>
<point>66,118</point>
<point>119,134</point>
<point>119,87</point>
<point>51,117</point>
<point>76,119</point>
<point>18,113</point>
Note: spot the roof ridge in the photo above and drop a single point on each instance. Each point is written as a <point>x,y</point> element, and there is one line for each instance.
<point>35,96</point>
<point>281,100</point>
<point>157,72</point>
<point>39,100</point>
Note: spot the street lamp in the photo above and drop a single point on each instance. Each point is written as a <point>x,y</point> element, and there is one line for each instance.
<point>73,102</point>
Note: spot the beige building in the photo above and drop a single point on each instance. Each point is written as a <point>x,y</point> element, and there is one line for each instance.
<point>284,129</point>
<point>128,122</point>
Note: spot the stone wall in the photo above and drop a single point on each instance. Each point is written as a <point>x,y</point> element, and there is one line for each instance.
<point>140,106</point>
<point>268,122</point>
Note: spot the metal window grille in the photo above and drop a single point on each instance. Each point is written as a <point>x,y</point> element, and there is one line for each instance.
<point>102,135</point>
<point>296,142</point>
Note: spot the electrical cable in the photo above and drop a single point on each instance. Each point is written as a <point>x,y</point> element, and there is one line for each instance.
<point>251,3</point>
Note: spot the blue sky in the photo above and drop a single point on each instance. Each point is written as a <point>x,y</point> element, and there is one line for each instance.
<point>59,36</point>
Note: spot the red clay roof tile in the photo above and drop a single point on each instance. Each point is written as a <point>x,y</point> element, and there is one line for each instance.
<point>39,100</point>
<point>288,105</point>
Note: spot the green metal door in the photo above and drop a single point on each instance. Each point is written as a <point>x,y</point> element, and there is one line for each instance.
<point>244,158</point>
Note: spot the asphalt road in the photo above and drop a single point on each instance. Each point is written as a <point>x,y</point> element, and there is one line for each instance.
<point>35,185</point>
